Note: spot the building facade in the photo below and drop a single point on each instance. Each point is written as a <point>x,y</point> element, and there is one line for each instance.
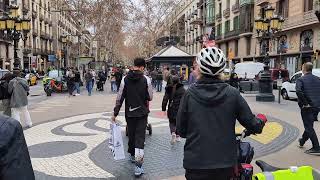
<point>300,35</point>
<point>234,28</point>
<point>6,47</point>
<point>43,47</point>
<point>186,25</point>
<point>40,40</point>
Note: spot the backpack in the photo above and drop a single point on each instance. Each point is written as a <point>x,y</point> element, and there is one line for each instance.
<point>4,94</point>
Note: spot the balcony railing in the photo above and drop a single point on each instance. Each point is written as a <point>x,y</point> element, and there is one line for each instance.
<point>218,17</point>
<point>226,13</point>
<point>198,21</point>
<point>233,33</point>
<point>218,37</point>
<point>245,2</point>
<point>258,2</point>
<point>27,50</point>
<point>236,8</point>
<point>36,51</point>
<point>301,20</point>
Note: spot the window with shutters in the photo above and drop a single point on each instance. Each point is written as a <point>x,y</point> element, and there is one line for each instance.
<point>236,23</point>
<point>283,8</point>
<point>308,5</point>
<point>219,30</point>
<point>227,26</point>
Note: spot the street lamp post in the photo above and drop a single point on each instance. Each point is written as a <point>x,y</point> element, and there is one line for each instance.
<point>15,28</point>
<point>267,26</point>
<point>65,48</point>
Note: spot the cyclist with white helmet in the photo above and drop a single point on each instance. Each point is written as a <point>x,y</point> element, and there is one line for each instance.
<point>207,118</point>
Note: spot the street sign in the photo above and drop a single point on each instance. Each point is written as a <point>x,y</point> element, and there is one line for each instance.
<point>279,82</point>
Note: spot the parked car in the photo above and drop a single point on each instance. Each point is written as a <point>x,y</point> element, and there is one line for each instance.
<point>248,70</point>
<point>275,75</point>
<point>31,78</point>
<point>3,72</point>
<point>288,90</point>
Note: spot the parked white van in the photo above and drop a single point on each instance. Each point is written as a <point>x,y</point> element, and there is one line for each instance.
<point>248,70</point>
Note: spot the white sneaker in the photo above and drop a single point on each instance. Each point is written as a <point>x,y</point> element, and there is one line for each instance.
<point>178,139</point>
<point>77,94</point>
<point>173,139</point>
<point>138,171</point>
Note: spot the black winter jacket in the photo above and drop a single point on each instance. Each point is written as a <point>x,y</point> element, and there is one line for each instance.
<point>172,99</point>
<point>308,90</point>
<point>207,118</point>
<point>136,90</point>
<point>15,163</point>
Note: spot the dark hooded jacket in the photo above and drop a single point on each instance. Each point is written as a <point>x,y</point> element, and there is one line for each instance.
<point>172,98</point>
<point>207,118</point>
<point>308,90</point>
<point>136,90</point>
<point>15,163</point>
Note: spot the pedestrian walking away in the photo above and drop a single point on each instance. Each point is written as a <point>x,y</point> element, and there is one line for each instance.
<point>19,90</point>
<point>154,78</point>
<point>308,92</point>
<point>166,74</point>
<point>77,81</point>
<point>193,75</point>
<point>88,78</point>
<point>159,79</point>
<point>113,82</point>
<point>118,76</point>
<point>206,118</point>
<point>6,97</point>
<point>234,80</point>
<point>93,72</point>
<point>172,99</point>
<point>70,81</point>
<point>136,90</point>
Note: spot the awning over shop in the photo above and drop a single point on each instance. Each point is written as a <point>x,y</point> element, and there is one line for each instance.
<point>171,54</point>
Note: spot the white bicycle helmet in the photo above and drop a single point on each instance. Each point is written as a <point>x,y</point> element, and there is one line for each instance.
<point>211,61</point>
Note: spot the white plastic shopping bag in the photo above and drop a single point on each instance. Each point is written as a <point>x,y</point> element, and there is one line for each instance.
<point>116,143</point>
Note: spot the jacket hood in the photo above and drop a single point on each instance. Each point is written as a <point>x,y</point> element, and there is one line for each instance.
<point>135,75</point>
<point>209,91</point>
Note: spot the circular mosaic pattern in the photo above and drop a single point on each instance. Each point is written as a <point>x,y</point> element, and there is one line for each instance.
<point>76,148</point>
<point>55,149</point>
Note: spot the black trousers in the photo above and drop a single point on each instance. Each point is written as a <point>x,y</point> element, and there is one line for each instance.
<point>308,118</point>
<point>173,126</point>
<point>209,174</point>
<point>136,133</point>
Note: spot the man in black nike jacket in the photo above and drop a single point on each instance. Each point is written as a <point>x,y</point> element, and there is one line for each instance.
<point>136,90</point>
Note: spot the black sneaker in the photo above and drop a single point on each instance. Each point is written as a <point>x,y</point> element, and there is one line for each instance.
<point>313,151</point>
<point>301,143</point>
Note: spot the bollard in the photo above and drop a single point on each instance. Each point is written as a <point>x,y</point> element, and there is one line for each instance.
<point>279,85</point>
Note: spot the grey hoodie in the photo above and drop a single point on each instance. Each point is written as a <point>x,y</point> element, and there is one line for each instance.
<point>18,88</point>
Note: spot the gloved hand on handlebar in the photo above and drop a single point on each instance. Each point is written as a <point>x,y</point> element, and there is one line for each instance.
<point>262,117</point>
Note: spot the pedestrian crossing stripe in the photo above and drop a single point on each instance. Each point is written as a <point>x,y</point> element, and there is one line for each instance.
<point>270,132</point>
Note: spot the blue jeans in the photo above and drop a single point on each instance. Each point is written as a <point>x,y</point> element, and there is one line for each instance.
<point>113,86</point>
<point>159,85</point>
<point>77,87</point>
<point>89,87</point>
